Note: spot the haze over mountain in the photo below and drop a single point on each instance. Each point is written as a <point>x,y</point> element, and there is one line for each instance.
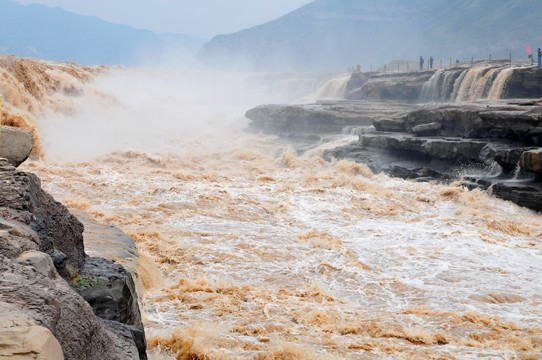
<point>55,34</point>
<point>336,34</point>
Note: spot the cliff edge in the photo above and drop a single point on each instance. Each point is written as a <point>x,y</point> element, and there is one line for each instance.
<point>55,301</point>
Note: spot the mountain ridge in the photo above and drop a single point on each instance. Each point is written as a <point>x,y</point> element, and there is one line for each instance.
<point>51,33</point>
<point>335,34</point>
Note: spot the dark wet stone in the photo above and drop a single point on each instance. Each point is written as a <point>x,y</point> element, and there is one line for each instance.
<point>110,290</point>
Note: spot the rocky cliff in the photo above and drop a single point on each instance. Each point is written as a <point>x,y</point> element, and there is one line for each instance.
<point>55,301</point>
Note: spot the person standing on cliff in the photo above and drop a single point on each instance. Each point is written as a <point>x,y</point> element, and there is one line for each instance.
<point>421,63</point>
<point>430,62</point>
<point>539,57</point>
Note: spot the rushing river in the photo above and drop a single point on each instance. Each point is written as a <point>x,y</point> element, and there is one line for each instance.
<point>249,251</point>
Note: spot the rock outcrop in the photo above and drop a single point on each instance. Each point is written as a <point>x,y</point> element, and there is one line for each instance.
<point>447,141</point>
<point>15,144</point>
<point>36,299</point>
<point>321,118</point>
<point>86,307</point>
<point>426,142</point>
<point>22,199</point>
<point>405,87</point>
<point>485,128</point>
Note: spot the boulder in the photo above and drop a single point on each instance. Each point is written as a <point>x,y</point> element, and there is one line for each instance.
<point>131,334</point>
<point>531,161</point>
<point>391,125</point>
<point>15,144</point>
<point>110,291</point>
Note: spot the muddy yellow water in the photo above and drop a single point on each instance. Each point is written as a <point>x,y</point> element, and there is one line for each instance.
<point>250,251</point>
<point>256,257</point>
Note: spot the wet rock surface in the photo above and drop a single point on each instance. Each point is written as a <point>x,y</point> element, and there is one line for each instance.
<point>44,271</point>
<point>447,141</point>
<point>110,290</point>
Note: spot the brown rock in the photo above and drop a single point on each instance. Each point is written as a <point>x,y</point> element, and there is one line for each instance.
<point>21,338</point>
<point>532,161</point>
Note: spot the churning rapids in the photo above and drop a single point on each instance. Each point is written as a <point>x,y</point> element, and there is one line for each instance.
<point>248,251</point>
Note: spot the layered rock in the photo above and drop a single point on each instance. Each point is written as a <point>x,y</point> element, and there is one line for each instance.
<point>431,141</point>
<point>22,199</point>
<point>44,272</point>
<point>446,141</point>
<point>318,119</point>
<point>405,87</point>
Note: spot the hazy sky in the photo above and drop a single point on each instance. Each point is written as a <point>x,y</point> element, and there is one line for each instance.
<point>203,18</point>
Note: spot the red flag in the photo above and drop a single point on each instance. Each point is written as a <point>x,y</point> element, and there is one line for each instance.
<point>528,49</point>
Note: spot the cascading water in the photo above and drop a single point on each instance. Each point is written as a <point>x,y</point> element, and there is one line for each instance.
<point>333,89</point>
<point>249,255</point>
<point>499,85</point>
<point>466,84</point>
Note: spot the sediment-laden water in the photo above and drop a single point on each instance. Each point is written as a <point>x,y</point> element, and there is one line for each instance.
<point>249,251</point>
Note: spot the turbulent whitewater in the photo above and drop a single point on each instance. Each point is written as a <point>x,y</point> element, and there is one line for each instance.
<point>250,251</point>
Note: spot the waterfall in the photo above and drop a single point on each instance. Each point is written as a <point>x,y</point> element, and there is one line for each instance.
<point>484,84</point>
<point>499,84</point>
<point>449,81</point>
<point>430,90</point>
<point>441,85</point>
<point>332,89</point>
<point>466,84</point>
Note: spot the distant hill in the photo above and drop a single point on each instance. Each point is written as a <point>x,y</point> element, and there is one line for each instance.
<point>55,34</point>
<point>336,34</point>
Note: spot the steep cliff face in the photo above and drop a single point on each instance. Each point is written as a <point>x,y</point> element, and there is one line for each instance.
<point>44,270</point>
